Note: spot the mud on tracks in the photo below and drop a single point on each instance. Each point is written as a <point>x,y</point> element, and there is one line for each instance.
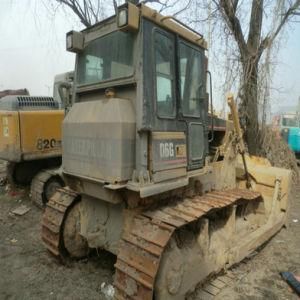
<point>28,271</point>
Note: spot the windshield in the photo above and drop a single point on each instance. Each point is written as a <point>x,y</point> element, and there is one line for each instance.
<point>290,121</point>
<point>108,57</point>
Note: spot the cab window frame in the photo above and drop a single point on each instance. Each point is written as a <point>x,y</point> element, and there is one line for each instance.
<point>200,51</point>
<point>109,81</point>
<point>173,73</point>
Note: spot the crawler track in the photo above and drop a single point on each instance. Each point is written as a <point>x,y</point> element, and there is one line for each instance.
<point>3,173</point>
<point>141,247</point>
<point>53,218</point>
<point>39,184</point>
<point>10,167</point>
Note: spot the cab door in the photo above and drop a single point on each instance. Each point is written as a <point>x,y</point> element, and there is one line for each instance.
<point>172,107</point>
<point>168,139</point>
<point>193,104</point>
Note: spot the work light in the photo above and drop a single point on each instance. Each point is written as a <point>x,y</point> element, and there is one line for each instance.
<point>74,41</point>
<point>123,17</point>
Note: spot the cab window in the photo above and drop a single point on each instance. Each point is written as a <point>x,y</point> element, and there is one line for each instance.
<point>106,58</point>
<point>164,75</point>
<point>191,80</point>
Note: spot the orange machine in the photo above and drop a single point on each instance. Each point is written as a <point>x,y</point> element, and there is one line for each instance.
<point>30,141</point>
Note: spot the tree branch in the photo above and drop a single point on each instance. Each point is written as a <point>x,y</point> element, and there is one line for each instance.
<point>269,39</point>
<point>77,10</point>
<point>183,9</point>
<point>227,9</point>
<point>235,5</point>
<point>255,25</point>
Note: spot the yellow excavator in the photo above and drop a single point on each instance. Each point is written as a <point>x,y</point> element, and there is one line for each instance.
<point>30,139</point>
<point>151,176</point>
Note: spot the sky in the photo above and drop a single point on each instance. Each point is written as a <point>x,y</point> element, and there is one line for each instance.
<point>32,51</point>
<point>287,72</point>
<point>32,46</point>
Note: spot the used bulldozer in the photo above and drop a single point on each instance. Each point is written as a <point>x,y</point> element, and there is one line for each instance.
<point>150,175</point>
<point>30,140</point>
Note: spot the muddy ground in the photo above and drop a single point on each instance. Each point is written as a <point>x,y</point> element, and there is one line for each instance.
<point>27,271</point>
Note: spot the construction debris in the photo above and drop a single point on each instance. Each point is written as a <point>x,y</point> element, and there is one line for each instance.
<point>278,153</point>
<point>107,290</point>
<point>292,280</point>
<point>21,210</point>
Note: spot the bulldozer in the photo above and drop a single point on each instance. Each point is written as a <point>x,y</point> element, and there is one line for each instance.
<point>150,175</point>
<point>30,139</point>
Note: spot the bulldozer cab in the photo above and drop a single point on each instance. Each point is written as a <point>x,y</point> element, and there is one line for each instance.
<point>142,78</point>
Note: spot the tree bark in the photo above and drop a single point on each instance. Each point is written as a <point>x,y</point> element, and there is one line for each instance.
<point>249,104</point>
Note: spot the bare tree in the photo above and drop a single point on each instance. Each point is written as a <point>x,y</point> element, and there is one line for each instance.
<point>89,12</point>
<point>251,46</point>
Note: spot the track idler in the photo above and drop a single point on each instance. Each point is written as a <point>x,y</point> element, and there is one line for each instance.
<point>61,225</point>
<point>44,185</point>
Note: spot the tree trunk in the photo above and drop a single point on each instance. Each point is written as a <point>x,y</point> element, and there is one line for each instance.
<point>249,104</point>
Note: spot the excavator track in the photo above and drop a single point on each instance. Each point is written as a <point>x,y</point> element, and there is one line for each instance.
<point>3,173</point>
<point>10,167</point>
<point>53,219</point>
<point>142,247</point>
<point>39,184</point>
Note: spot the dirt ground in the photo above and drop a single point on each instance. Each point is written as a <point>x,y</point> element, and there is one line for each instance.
<point>27,271</point>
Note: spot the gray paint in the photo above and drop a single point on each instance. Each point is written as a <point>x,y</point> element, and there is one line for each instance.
<point>98,140</point>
